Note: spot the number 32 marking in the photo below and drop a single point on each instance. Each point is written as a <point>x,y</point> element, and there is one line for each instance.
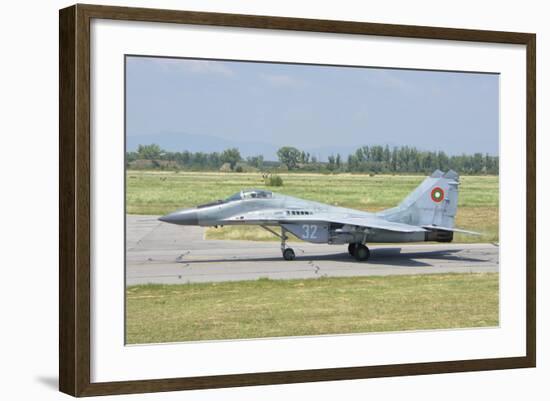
<point>310,231</point>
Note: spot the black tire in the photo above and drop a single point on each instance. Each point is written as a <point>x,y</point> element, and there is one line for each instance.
<point>362,253</point>
<point>288,254</point>
<point>351,249</point>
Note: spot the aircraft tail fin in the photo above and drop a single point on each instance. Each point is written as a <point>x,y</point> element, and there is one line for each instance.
<point>433,203</point>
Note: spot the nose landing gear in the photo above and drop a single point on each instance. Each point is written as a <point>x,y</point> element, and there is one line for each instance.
<point>288,253</point>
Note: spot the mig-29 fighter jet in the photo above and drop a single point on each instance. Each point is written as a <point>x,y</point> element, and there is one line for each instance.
<point>426,214</point>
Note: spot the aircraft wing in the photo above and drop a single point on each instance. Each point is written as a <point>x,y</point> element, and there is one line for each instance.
<point>376,223</point>
<point>456,230</point>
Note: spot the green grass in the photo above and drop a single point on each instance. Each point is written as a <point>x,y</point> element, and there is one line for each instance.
<point>157,192</point>
<point>273,308</point>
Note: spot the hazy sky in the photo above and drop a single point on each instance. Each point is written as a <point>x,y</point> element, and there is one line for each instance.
<point>313,106</point>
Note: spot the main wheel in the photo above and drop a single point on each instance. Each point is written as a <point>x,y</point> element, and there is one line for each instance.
<point>288,254</point>
<point>361,252</point>
<point>351,248</point>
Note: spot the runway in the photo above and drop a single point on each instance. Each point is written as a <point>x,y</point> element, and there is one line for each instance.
<point>163,253</point>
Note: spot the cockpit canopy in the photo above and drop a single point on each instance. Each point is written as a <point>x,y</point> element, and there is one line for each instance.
<point>250,194</point>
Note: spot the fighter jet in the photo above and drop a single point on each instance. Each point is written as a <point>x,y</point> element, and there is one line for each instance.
<point>426,214</point>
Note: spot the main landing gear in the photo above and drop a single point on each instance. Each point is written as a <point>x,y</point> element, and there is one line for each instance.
<point>359,251</point>
<point>288,253</point>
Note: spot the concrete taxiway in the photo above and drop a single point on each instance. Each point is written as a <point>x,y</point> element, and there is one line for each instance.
<point>163,253</point>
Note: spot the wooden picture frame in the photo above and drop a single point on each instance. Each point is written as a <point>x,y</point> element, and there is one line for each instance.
<point>74,200</point>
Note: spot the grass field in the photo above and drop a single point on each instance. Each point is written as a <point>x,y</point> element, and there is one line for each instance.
<point>272,308</point>
<point>157,192</point>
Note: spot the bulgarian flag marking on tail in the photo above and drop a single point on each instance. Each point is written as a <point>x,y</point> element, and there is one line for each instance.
<point>438,194</point>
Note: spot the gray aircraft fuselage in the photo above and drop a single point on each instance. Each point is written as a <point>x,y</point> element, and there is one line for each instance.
<point>288,211</point>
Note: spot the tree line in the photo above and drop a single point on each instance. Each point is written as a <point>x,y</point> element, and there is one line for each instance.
<point>366,159</point>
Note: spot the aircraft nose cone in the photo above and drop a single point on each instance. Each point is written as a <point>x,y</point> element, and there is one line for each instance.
<point>186,217</point>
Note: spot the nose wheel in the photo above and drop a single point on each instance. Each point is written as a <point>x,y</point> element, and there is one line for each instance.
<point>359,251</point>
<point>288,254</point>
